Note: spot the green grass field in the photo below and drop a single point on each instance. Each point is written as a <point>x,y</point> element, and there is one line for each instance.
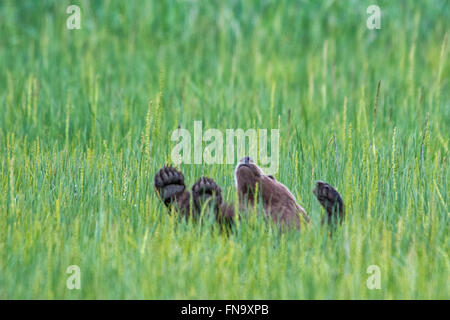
<point>80,142</point>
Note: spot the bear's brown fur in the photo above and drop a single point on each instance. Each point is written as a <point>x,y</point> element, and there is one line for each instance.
<point>278,202</point>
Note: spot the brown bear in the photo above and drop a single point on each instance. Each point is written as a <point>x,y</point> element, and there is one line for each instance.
<point>252,185</point>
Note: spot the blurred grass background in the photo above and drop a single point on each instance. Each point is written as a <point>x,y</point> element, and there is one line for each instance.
<point>80,143</point>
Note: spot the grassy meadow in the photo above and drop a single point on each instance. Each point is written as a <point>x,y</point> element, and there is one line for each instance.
<point>86,118</point>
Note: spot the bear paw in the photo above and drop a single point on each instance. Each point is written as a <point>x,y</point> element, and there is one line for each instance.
<point>168,183</point>
<point>328,197</point>
<point>204,189</point>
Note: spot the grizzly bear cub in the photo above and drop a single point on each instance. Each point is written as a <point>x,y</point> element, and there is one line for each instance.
<point>252,185</point>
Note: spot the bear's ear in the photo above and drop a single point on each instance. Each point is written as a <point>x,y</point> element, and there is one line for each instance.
<point>271,177</point>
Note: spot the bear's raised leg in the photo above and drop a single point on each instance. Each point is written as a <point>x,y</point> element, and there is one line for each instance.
<point>331,201</point>
<point>206,192</point>
<point>169,185</point>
